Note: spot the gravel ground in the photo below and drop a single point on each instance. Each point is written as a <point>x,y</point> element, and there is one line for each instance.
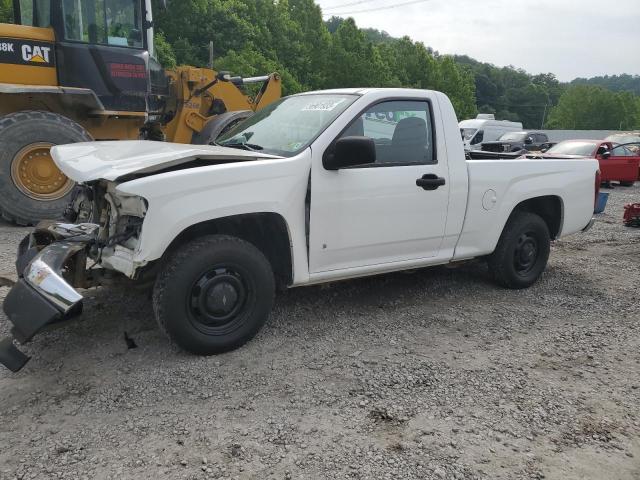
<point>435,374</point>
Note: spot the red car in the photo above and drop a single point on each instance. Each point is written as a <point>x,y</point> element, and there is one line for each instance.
<point>618,163</point>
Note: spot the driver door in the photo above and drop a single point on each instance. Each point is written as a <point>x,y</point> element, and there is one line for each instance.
<point>622,165</point>
<point>377,214</point>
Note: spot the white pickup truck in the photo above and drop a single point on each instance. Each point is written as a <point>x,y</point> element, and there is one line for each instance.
<point>318,187</point>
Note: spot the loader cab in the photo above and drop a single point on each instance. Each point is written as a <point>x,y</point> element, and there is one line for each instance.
<point>102,45</point>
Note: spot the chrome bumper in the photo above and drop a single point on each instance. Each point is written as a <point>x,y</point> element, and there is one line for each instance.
<point>42,296</point>
<point>589,225</point>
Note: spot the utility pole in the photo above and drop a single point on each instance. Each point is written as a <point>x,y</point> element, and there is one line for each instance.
<point>211,55</point>
<point>544,115</point>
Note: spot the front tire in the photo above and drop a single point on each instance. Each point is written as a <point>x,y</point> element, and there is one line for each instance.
<point>32,188</point>
<point>522,252</point>
<point>214,294</point>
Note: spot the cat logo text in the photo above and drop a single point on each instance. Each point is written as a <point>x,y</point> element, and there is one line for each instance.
<point>36,54</point>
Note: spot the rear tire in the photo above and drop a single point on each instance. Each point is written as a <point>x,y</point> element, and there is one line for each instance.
<point>30,192</point>
<point>214,294</point>
<point>522,252</point>
<point>627,184</point>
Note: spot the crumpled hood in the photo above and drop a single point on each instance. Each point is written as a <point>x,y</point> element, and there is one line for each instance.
<point>84,162</point>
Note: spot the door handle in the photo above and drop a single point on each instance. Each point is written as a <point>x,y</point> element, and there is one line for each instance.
<point>430,182</point>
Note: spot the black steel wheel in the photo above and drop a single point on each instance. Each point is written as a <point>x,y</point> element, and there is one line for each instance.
<point>216,299</point>
<point>214,294</point>
<point>525,254</point>
<point>522,251</point>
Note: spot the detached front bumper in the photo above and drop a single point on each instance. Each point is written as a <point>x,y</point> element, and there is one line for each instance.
<point>42,296</point>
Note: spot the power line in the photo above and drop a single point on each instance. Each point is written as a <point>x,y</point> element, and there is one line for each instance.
<point>359,2</point>
<point>387,7</point>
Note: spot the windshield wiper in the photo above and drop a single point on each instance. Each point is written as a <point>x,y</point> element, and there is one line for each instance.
<point>244,146</point>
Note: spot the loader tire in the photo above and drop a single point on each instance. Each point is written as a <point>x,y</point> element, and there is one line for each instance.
<point>32,188</point>
<point>219,125</point>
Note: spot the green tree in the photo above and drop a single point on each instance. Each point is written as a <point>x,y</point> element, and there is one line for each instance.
<point>189,26</point>
<point>164,51</point>
<point>585,107</point>
<point>252,63</point>
<point>629,110</point>
<point>458,84</point>
<point>616,83</point>
<point>411,64</point>
<point>354,61</point>
<point>6,11</point>
<point>290,36</point>
<point>312,69</point>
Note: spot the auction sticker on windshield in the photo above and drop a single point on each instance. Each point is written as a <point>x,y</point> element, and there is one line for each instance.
<point>325,105</point>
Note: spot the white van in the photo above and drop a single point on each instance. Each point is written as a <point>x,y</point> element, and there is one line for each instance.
<point>485,128</point>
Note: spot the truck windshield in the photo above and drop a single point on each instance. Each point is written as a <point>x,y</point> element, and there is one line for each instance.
<point>105,22</point>
<point>468,133</point>
<point>289,126</point>
<point>513,137</point>
<point>584,149</point>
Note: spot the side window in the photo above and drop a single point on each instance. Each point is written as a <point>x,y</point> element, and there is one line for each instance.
<point>106,22</point>
<point>26,12</point>
<point>35,13</point>
<point>401,129</point>
<point>43,13</point>
<point>478,138</point>
<point>621,151</point>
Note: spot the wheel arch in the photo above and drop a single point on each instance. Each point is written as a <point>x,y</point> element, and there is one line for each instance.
<point>549,207</point>
<point>267,231</point>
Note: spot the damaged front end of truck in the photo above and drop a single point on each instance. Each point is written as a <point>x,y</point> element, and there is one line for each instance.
<point>100,243</point>
<point>59,258</point>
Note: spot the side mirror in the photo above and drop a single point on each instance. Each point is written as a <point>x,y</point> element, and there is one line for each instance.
<point>349,152</point>
<point>528,141</point>
<point>606,154</point>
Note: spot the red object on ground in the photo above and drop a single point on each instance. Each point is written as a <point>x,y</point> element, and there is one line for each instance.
<point>632,215</point>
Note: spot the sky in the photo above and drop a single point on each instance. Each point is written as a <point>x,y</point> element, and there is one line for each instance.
<point>570,38</point>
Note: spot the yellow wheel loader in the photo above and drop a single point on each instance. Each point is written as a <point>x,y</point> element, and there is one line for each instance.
<point>81,70</point>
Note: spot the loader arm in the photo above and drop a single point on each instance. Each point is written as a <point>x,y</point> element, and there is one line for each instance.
<point>200,96</point>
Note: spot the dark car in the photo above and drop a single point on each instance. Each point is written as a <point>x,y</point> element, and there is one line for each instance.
<point>517,142</point>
